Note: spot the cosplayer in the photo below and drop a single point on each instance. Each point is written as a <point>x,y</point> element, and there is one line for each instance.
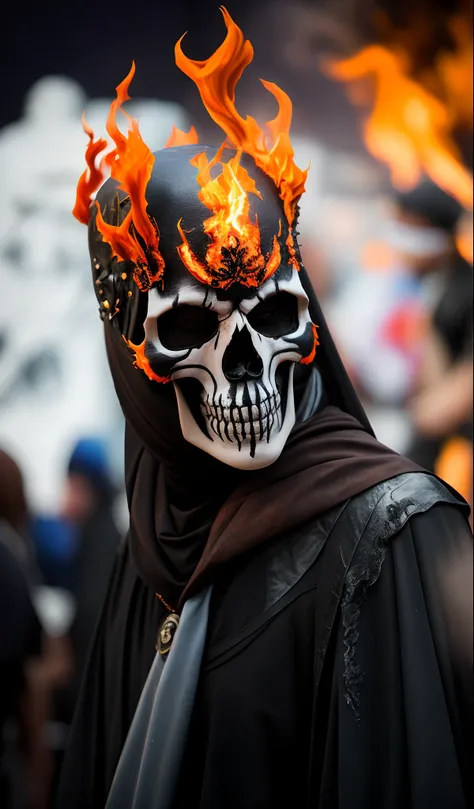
<point>276,632</point>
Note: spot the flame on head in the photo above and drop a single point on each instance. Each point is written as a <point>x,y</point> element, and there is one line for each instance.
<point>141,361</point>
<point>136,239</point>
<point>90,178</point>
<point>180,138</point>
<point>310,357</point>
<point>233,254</point>
<point>216,79</point>
<point>409,128</point>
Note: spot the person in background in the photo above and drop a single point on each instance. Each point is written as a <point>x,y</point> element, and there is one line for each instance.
<point>423,233</point>
<point>31,662</point>
<point>88,501</point>
<point>377,322</point>
<point>75,549</point>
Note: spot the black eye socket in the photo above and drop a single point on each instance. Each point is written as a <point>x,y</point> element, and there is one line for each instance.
<point>187,327</point>
<point>275,316</point>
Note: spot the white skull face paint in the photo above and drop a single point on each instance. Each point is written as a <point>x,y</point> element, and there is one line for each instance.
<point>232,365</point>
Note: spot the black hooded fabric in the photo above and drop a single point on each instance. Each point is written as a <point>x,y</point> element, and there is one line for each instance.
<point>332,676</point>
<point>98,538</point>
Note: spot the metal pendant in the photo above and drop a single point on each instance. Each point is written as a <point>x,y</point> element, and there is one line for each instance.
<point>167,633</point>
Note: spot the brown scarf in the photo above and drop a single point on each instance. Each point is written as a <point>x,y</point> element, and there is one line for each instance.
<point>189,514</point>
<point>326,460</point>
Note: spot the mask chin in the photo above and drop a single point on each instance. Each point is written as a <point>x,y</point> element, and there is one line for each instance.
<point>238,439</point>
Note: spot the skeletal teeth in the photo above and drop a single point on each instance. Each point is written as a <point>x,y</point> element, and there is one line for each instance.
<point>239,395</point>
<point>252,389</point>
<point>222,430</point>
<point>244,424</point>
<point>244,414</point>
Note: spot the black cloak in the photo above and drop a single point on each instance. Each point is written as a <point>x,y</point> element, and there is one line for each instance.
<point>332,672</point>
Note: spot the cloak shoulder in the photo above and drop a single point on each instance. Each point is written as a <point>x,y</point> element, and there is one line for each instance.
<point>404,668</point>
<point>354,687</point>
<point>334,676</point>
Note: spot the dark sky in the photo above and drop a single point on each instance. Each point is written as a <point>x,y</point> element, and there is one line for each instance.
<point>94,42</point>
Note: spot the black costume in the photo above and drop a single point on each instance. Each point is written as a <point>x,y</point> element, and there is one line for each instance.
<point>328,676</point>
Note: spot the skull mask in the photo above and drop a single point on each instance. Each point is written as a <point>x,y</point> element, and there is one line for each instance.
<point>195,259</point>
<point>232,365</point>
<point>230,353</point>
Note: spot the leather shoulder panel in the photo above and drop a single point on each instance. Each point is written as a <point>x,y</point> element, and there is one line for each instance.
<point>296,563</point>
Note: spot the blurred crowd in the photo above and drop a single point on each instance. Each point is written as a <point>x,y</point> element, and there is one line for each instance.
<point>396,287</point>
<point>53,578</point>
<point>405,330</point>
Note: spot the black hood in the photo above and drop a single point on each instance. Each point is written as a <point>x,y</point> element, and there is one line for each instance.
<point>172,195</point>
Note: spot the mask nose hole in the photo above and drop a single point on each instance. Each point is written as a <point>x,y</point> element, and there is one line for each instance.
<point>241,362</point>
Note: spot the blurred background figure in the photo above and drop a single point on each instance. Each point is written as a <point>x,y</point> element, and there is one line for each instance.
<point>423,236</point>
<point>377,320</point>
<point>88,507</point>
<point>75,549</point>
<point>34,659</point>
<point>405,327</point>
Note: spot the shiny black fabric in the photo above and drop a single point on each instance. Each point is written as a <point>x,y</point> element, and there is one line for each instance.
<point>260,739</point>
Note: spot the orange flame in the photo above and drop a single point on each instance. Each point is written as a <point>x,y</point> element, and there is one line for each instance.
<point>454,465</point>
<point>234,254</point>
<point>409,128</point>
<point>464,238</point>
<point>136,239</point>
<point>216,79</point>
<point>131,164</point>
<point>91,178</point>
<point>142,362</point>
<point>180,138</point>
<point>309,359</point>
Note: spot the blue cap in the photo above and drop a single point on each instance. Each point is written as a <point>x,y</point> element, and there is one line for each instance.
<point>90,458</point>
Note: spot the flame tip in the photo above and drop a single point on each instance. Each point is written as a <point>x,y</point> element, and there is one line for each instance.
<point>411,123</point>
<point>216,79</point>
<point>136,238</point>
